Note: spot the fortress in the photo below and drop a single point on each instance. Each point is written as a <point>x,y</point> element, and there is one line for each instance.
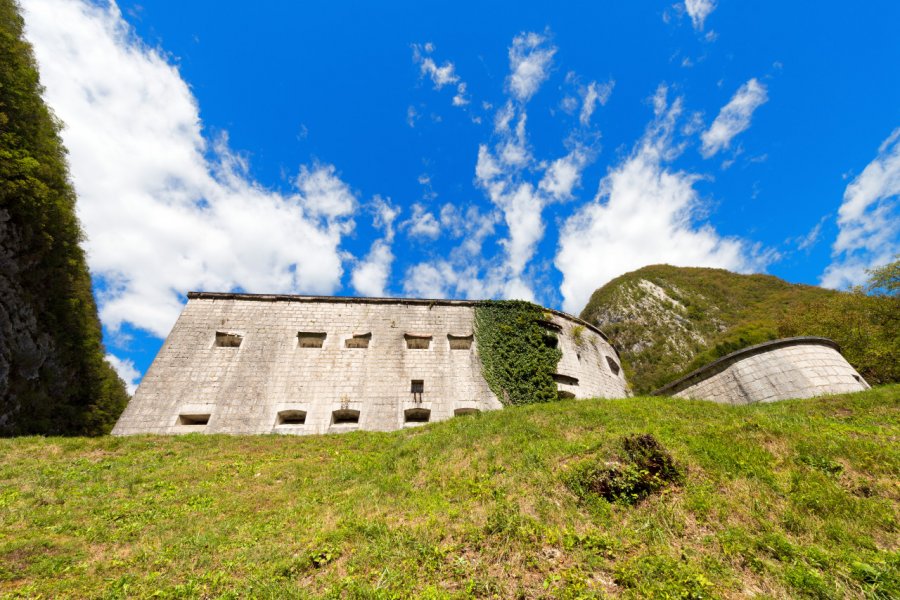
<point>241,363</point>
<point>247,363</point>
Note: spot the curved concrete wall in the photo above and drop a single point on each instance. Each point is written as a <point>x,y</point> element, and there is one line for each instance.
<point>240,363</point>
<point>777,370</point>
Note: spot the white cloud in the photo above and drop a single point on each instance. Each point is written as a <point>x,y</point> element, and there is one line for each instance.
<point>806,242</point>
<point>164,214</point>
<point>126,370</point>
<point>530,59</point>
<point>698,10</point>
<point>370,276</point>
<point>594,94</point>
<point>421,223</point>
<point>563,175</point>
<point>440,75</point>
<point>460,98</point>
<point>868,219</point>
<point>734,117</point>
<point>644,213</point>
<point>471,227</point>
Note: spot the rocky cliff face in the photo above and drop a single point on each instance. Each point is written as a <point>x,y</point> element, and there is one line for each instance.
<point>53,376</point>
<point>666,320</point>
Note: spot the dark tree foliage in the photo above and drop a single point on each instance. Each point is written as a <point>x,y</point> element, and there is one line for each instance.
<point>518,355</point>
<point>53,376</point>
<point>865,322</point>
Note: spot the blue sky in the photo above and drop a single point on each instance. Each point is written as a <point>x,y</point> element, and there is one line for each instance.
<point>463,149</point>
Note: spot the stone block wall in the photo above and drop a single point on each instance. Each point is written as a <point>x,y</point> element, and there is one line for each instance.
<point>240,363</point>
<point>778,370</point>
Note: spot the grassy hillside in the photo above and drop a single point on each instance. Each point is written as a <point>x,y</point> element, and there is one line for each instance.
<point>795,499</point>
<point>668,320</point>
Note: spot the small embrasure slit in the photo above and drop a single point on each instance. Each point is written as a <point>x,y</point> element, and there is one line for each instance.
<point>291,417</point>
<point>358,341</point>
<point>613,366</point>
<point>310,339</point>
<point>417,342</point>
<point>416,415</point>
<point>225,339</point>
<point>193,419</point>
<point>460,342</point>
<point>564,379</point>
<point>344,416</point>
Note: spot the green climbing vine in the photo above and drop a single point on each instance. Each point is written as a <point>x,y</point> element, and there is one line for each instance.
<point>518,354</point>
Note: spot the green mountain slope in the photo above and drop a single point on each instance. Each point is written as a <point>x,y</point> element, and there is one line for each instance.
<point>788,500</point>
<point>668,320</point>
<point>53,376</point>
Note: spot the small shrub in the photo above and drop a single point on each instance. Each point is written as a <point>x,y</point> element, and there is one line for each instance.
<point>645,467</point>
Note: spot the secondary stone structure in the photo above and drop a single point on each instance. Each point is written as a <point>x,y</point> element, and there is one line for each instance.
<point>247,363</point>
<point>801,367</point>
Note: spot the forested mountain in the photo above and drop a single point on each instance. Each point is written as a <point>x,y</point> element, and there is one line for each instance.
<point>668,320</point>
<point>53,375</point>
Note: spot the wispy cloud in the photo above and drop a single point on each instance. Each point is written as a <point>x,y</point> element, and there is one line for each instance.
<point>698,10</point>
<point>164,212</point>
<point>868,219</point>
<point>442,75</point>
<point>596,93</point>
<point>734,117</point>
<point>645,213</point>
<point>530,59</point>
<point>806,242</point>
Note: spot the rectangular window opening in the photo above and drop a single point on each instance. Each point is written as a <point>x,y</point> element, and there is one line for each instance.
<point>344,416</point>
<point>291,417</point>
<point>193,419</point>
<point>416,415</point>
<point>417,387</point>
<point>358,341</point>
<point>228,340</point>
<point>564,379</point>
<point>460,342</point>
<point>310,339</point>
<point>417,342</point>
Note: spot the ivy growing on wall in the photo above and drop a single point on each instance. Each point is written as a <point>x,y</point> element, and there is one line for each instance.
<point>518,354</point>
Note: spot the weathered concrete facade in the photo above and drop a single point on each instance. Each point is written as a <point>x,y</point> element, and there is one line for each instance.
<point>241,363</point>
<point>777,370</point>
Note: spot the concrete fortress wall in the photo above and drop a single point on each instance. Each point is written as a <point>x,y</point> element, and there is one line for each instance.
<point>242,363</point>
<point>788,368</point>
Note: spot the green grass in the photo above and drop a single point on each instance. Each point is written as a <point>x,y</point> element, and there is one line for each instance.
<point>795,499</point>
